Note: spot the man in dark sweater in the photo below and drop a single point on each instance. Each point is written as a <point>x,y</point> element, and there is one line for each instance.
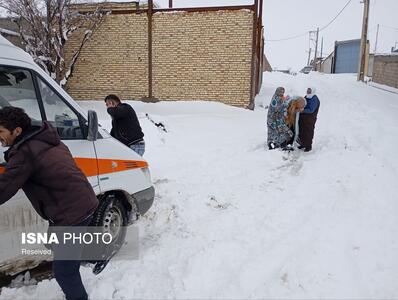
<point>125,125</point>
<point>42,166</point>
<point>307,120</point>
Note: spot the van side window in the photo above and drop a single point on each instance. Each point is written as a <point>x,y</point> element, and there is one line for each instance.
<point>17,89</point>
<point>60,115</point>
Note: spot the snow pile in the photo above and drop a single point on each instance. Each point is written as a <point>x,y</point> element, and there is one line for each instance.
<point>234,220</point>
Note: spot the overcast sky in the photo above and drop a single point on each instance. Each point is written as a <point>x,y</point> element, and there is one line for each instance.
<point>287,18</point>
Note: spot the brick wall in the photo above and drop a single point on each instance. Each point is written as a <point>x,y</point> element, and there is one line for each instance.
<point>385,70</point>
<point>196,56</point>
<point>114,60</point>
<point>203,56</point>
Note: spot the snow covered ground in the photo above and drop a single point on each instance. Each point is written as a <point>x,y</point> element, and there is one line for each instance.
<point>233,220</point>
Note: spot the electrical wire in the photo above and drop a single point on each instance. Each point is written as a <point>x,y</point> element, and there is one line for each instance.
<point>389,27</point>
<point>286,39</point>
<point>340,12</point>
<point>303,34</point>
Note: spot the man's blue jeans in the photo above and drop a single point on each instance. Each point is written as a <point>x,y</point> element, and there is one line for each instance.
<point>67,274</point>
<point>139,148</point>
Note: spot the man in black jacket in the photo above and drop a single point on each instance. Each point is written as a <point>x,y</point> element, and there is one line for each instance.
<point>42,166</point>
<point>125,125</point>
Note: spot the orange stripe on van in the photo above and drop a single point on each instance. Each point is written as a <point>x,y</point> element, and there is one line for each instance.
<point>105,166</point>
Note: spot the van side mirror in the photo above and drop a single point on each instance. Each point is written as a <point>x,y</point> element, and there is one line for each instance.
<point>92,126</point>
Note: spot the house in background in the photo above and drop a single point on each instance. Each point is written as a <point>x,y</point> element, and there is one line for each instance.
<point>344,58</point>
<point>9,30</point>
<point>381,68</point>
<point>385,69</point>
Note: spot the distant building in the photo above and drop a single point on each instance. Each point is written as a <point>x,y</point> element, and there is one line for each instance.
<point>266,65</point>
<point>385,69</point>
<point>326,65</point>
<point>282,71</point>
<point>9,30</point>
<point>344,58</point>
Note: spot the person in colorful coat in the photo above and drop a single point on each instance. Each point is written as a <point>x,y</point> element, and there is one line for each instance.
<point>279,133</point>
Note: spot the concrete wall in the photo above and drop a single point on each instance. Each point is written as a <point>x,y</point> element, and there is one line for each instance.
<point>385,70</point>
<point>370,65</point>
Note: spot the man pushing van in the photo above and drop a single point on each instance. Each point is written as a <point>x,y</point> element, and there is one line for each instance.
<point>42,166</point>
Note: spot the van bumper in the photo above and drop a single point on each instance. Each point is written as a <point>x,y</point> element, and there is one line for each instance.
<point>144,199</point>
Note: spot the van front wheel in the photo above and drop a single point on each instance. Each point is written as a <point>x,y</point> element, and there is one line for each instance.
<point>111,215</point>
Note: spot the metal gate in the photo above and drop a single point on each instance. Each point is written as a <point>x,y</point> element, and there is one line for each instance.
<point>347,56</point>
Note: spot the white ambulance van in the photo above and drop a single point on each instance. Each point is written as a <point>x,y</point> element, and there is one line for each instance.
<point>119,176</point>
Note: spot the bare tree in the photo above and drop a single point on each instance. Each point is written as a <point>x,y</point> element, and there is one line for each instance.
<point>46,25</point>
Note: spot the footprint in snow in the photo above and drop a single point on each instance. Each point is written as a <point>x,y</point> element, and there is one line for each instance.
<point>213,203</point>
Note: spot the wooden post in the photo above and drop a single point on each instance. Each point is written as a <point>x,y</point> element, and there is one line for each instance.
<point>150,13</point>
<point>253,62</point>
<point>316,49</point>
<point>364,38</point>
<point>258,50</point>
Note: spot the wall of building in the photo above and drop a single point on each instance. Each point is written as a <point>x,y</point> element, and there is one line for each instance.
<point>9,29</point>
<point>114,60</point>
<point>385,70</point>
<point>202,55</point>
<point>347,56</point>
<point>370,65</point>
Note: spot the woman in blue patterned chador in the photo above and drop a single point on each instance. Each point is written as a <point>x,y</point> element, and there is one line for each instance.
<point>279,133</point>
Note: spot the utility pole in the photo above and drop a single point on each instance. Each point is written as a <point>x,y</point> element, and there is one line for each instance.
<point>316,48</point>
<point>322,48</point>
<point>309,57</point>
<point>150,13</point>
<point>309,47</point>
<point>170,3</point>
<point>364,39</point>
<point>377,37</point>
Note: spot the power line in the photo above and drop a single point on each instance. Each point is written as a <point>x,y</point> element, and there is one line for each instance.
<point>389,27</point>
<point>289,38</point>
<point>340,12</point>
<point>303,34</point>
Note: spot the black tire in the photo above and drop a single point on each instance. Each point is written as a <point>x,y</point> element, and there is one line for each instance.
<point>111,214</point>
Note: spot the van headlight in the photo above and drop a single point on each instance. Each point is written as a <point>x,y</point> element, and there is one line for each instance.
<point>147,174</point>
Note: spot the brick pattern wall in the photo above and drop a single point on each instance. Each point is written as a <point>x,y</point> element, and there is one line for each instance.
<point>196,56</point>
<point>385,70</point>
<point>203,56</point>
<point>114,60</point>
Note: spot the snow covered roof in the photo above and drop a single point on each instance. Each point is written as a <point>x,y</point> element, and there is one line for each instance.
<point>9,32</point>
<point>9,51</point>
<point>4,41</point>
<point>112,6</point>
